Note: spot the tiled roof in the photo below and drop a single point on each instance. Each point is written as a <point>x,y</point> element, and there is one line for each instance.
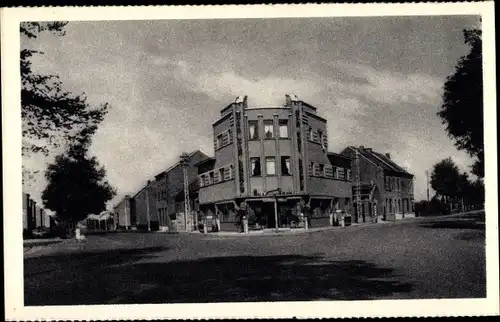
<point>380,159</point>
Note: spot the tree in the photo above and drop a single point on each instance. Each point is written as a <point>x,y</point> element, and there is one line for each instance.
<point>462,108</point>
<point>51,116</point>
<point>463,188</point>
<point>445,179</point>
<point>77,184</point>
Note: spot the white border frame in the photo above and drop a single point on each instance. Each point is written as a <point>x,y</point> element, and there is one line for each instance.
<point>13,257</point>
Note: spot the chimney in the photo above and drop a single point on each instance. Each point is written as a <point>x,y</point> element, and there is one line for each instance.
<point>149,181</point>
<point>361,147</point>
<point>369,150</point>
<point>388,156</point>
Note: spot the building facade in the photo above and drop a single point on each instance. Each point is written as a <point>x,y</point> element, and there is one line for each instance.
<point>157,205</point>
<point>34,216</point>
<point>385,188</point>
<point>274,159</point>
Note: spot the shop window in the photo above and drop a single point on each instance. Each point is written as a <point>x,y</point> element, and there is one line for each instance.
<point>255,167</point>
<point>285,166</point>
<point>268,129</point>
<point>270,166</point>
<point>283,129</point>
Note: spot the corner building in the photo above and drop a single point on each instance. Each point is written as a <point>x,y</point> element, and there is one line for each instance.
<point>271,158</point>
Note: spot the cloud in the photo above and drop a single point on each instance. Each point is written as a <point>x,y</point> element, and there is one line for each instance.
<point>167,81</point>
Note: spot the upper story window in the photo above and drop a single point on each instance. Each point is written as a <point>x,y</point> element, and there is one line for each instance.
<point>285,166</point>
<point>310,134</point>
<point>321,170</point>
<point>348,177</point>
<point>283,129</point>
<point>320,137</point>
<point>268,129</point>
<point>270,166</point>
<point>255,167</point>
<point>340,174</point>
<point>253,130</point>
<point>220,143</point>
<point>211,177</point>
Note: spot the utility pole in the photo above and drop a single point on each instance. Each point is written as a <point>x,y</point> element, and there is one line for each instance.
<point>427,178</point>
<point>147,207</point>
<point>358,188</point>
<point>187,210</point>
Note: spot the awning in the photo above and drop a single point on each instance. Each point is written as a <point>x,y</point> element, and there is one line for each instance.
<point>104,216</point>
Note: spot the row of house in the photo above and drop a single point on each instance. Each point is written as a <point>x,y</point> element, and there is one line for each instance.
<point>275,159</point>
<point>34,216</point>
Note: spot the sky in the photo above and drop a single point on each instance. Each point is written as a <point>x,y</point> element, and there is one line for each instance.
<point>377,80</point>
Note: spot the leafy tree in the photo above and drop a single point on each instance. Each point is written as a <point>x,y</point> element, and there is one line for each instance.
<point>462,108</point>
<point>476,193</point>
<point>77,184</point>
<point>50,115</point>
<point>445,179</point>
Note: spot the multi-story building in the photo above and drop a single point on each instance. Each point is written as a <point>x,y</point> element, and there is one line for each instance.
<point>122,214</point>
<point>168,185</point>
<point>272,158</point>
<point>34,216</point>
<point>384,186</point>
<point>159,200</point>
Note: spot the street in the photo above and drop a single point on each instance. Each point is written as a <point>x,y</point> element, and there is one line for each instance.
<point>438,257</point>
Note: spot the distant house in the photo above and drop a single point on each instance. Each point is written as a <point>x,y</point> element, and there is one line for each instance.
<point>384,185</point>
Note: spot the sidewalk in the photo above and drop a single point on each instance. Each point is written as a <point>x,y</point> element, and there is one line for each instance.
<point>40,242</point>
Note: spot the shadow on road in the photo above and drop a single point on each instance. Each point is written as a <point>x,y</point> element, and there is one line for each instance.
<point>82,261</point>
<point>223,279</point>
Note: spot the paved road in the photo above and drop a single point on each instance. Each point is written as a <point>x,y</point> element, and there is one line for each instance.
<point>420,258</point>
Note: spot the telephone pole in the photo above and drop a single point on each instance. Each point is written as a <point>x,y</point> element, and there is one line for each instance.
<point>187,210</point>
<point>358,188</point>
<point>427,178</point>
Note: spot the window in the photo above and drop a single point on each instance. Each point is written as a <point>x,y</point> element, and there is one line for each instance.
<point>285,166</point>
<point>268,129</point>
<point>220,142</point>
<point>348,175</point>
<point>320,137</point>
<point>311,168</point>
<point>211,180</point>
<point>270,166</point>
<point>253,130</point>
<point>340,173</point>
<point>321,170</point>
<point>230,136</point>
<point>283,129</point>
<point>255,164</point>
<point>310,133</point>
<point>221,175</point>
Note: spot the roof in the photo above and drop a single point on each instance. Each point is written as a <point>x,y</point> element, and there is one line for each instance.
<point>209,159</point>
<point>339,155</point>
<point>380,160</point>
<point>178,163</point>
